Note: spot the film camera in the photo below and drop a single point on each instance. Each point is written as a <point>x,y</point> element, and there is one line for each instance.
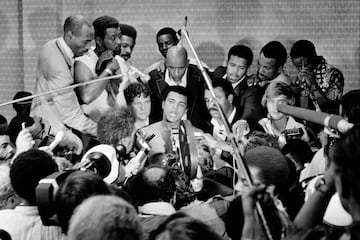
<point>295,133</point>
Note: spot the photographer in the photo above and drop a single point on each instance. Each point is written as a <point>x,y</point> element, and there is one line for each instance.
<point>277,123</point>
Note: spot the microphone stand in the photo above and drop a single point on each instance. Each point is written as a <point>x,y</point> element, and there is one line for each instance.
<point>242,167</point>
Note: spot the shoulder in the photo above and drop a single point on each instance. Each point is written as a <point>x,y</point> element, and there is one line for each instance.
<point>219,72</point>
<point>152,128</point>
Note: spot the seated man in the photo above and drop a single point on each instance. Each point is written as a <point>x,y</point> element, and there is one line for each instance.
<point>137,95</point>
<point>216,136</point>
<point>105,218</point>
<point>320,84</point>
<point>271,63</point>
<point>24,221</point>
<point>246,99</point>
<point>174,107</point>
<point>179,73</point>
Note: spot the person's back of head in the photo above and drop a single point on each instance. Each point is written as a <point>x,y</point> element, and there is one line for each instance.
<point>105,218</point>
<point>273,168</point>
<point>182,227</point>
<point>345,154</point>
<point>275,50</point>
<point>223,84</point>
<point>23,107</point>
<point>77,187</point>
<point>3,121</point>
<point>153,184</point>
<point>116,124</point>
<point>350,105</point>
<point>27,170</point>
<point>303,48</point>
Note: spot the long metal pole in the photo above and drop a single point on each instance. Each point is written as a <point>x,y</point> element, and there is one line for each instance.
<point>242,167</point>
<point>61,89</point>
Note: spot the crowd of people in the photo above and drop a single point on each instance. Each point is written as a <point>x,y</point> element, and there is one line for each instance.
<point>158,155</point>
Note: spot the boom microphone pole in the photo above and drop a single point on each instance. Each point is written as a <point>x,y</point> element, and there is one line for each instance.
<point>243,168</point>
<point>61,89</point>
<point>321,118</point>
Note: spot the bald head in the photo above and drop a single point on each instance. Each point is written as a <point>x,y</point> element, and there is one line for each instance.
<point>177,62</point>
<point>78,34</point>
<point>75,23</point>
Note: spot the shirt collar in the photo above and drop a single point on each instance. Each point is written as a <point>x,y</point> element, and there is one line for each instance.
<point>69,53</point>
<point>171,82</point>
<point>230,119</point>
<point>234,85</point>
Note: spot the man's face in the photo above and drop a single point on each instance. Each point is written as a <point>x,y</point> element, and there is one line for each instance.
<point>177,67</point>
<point>225,102</point>
<point>236,68</point>
<point>142,107</point>
<point>7,151</point>
<point>164,42</point>
<point>174,107</point>
<point>127,46</point>
<point>267,69</point>
<point>271,104</point>
<point>80,42</point>
<point>111,40</point>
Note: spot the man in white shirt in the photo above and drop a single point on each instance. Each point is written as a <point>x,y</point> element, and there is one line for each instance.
<point>55,70</point>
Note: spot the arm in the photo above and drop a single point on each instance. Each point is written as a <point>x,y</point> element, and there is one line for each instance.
<point>251,106</point>
<point>82,73</point>
<point>65,103</point>
<point>312,212</point>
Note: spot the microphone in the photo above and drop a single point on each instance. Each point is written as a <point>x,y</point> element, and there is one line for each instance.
<point>321,118</point>
<point>58,138</point>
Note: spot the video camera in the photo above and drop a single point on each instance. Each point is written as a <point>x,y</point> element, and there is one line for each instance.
<point>102,159</point>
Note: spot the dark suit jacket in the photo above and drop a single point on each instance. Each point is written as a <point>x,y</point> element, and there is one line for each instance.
<point>197,112</point>
<point>247,99</point>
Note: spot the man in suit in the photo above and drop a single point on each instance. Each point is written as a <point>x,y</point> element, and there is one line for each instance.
<point>55,70</point>
<point>179,73</point>
<point>246,99</point>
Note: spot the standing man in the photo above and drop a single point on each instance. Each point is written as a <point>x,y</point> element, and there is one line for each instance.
<point>179,73</point>
<point>320,84</point>
<point>165,39</point>
<point>246,99</point>
<point>271,63</point>
<point>128,41</point>
<point>100,96</point>
<point>55,70</point>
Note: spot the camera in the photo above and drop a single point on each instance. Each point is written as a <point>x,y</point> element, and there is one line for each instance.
<point>295,133</point>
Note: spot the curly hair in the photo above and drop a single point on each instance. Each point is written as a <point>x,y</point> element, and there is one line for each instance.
<point>28,169</point>
<point>135,90</point>
<point>116,124</point>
